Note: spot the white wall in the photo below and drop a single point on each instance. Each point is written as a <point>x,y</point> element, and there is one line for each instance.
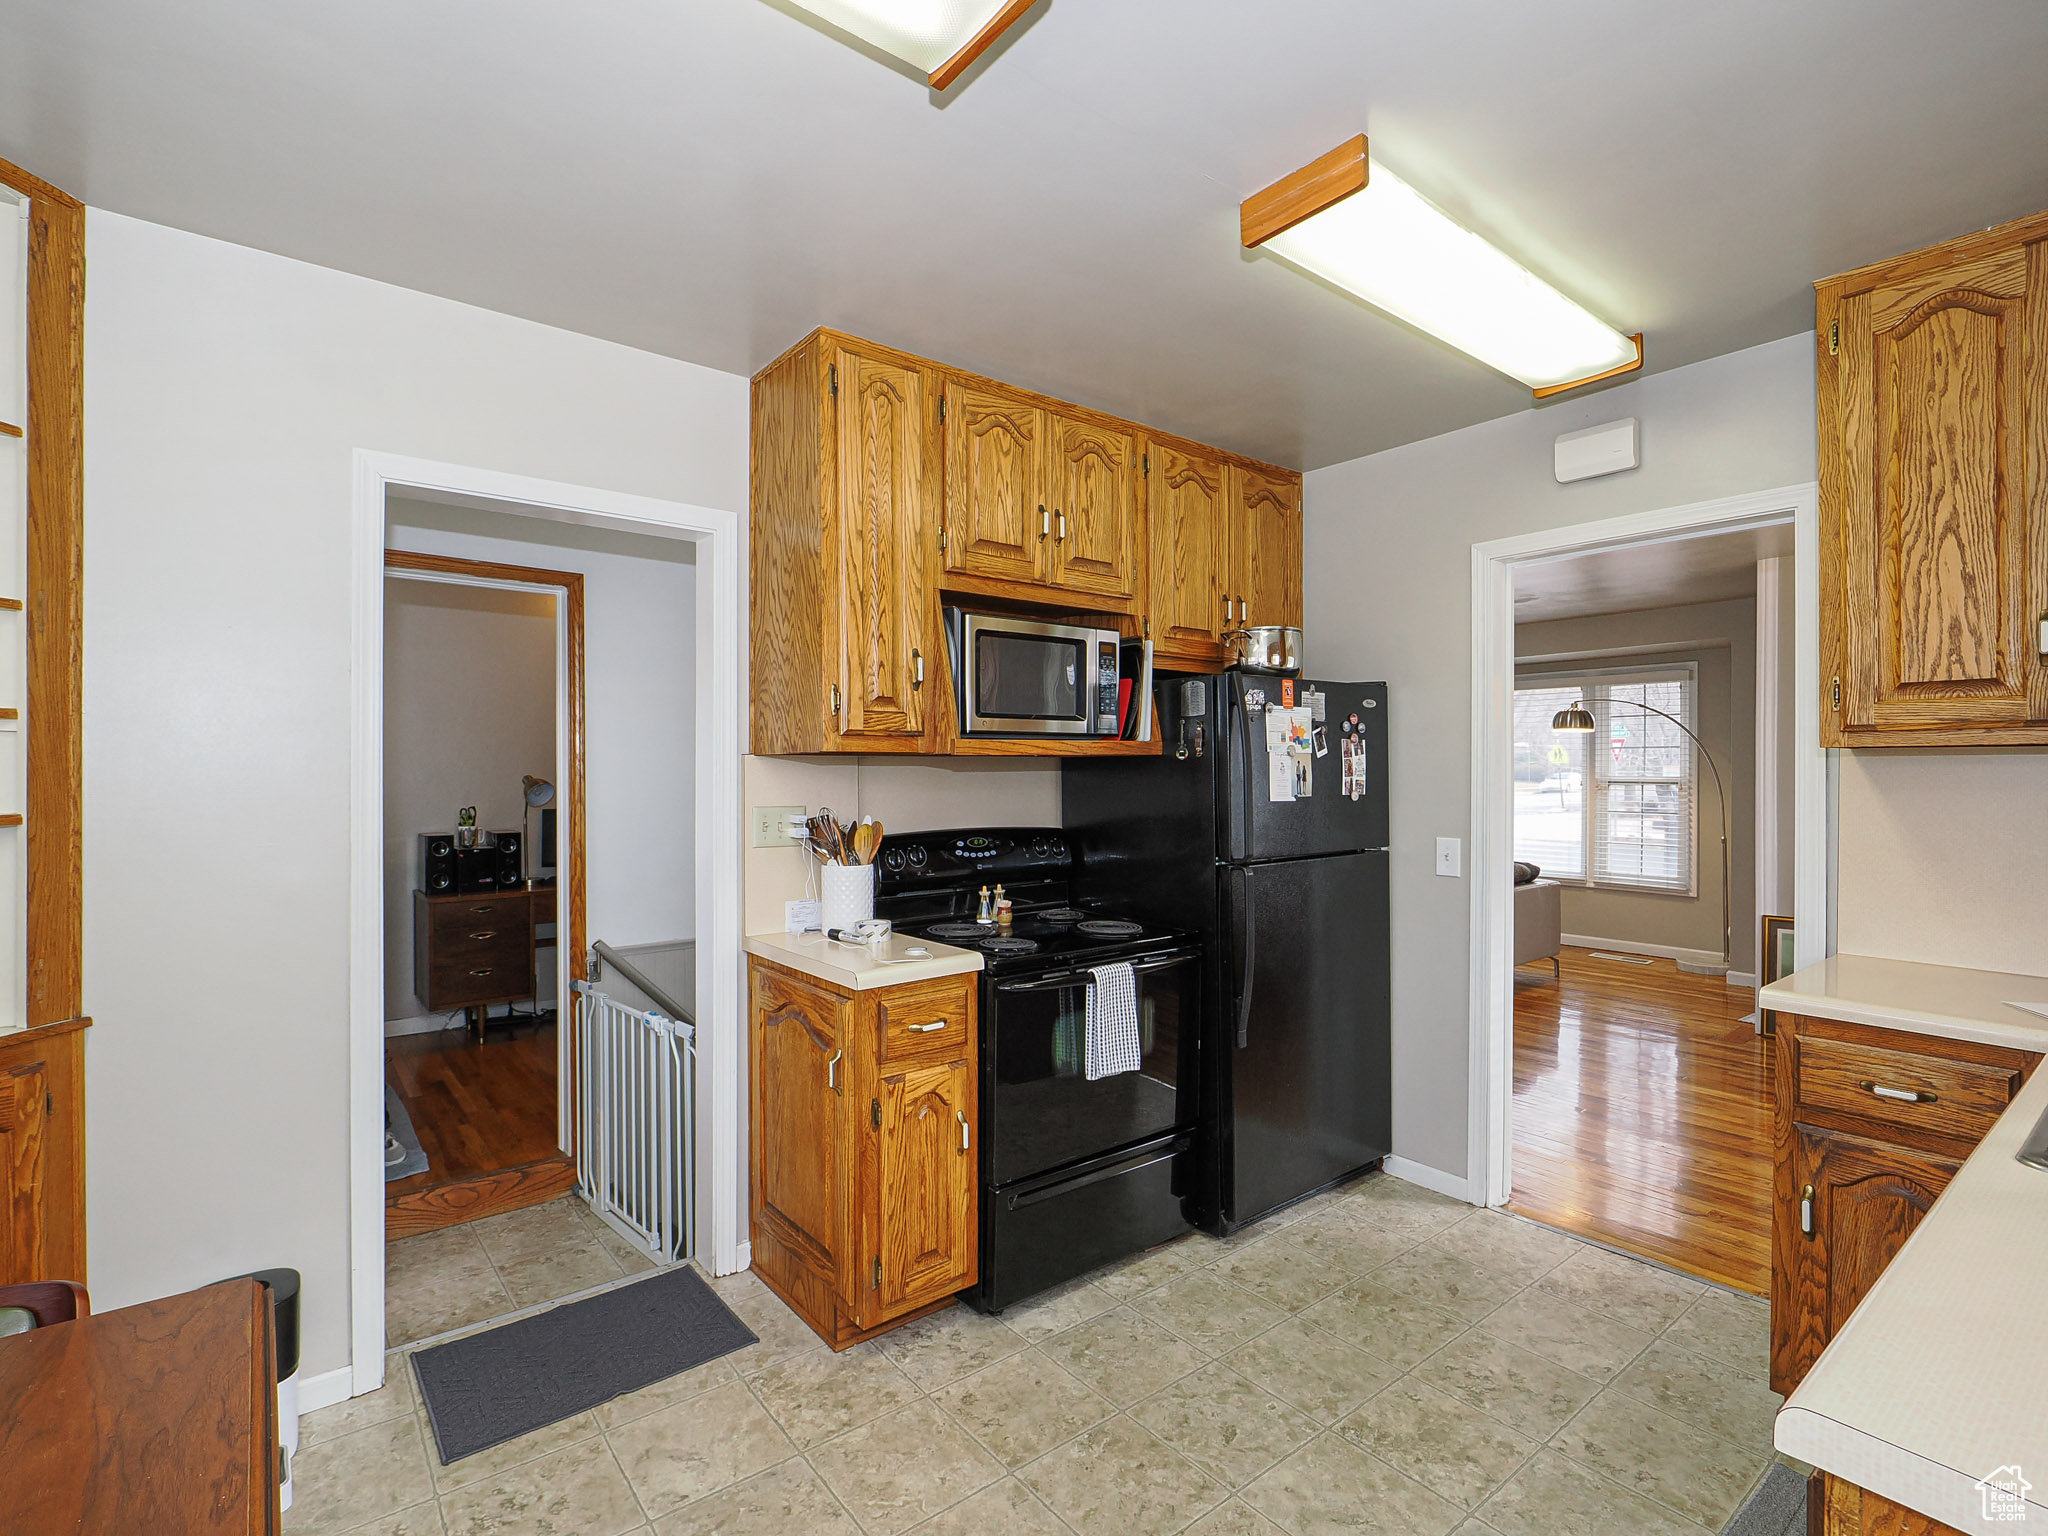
<point>226,391</point>
<point>639,706</point>
<point>1388,595</point>
<point>469,708</point>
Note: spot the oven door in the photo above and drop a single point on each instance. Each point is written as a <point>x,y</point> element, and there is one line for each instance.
<point>1040,1112</point>
<point>1019,677</point>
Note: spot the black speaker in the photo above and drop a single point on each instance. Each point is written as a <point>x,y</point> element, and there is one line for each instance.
<point>511,870</point>
<point>437,863</point>
<point>476,870</point>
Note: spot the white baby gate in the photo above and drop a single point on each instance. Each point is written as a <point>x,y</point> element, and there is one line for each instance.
<point>636,1073</point>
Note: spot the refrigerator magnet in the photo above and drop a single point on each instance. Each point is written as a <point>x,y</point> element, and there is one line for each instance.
<point>1322,740</point>
<point>1255,698</point>
<point>1287,693</point>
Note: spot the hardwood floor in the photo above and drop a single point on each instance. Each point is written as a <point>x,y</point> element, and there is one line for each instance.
<point>486,1120</point>
<point>1642,1115</point>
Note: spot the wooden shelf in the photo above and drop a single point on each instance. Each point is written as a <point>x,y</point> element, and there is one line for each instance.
<point>1049,746</point>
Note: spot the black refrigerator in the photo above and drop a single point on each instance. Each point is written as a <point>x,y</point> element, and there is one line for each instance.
<point>1263,825</point>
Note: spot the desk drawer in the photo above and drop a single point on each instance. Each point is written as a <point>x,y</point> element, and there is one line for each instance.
<point>1935,1094</point>
<point>926,1021</point>
<point>455,981</point>
<point>453,917</point>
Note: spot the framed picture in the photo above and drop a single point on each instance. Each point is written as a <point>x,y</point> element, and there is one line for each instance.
<point>1774,963</point>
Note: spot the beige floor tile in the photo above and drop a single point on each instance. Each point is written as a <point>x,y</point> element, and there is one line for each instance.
<point>419,1520</point>
<point>1396,1205</point>
<point>1524,1391</point>
<point>528,1447</point>
<point>571,1268</point>
<point>1156,1266</point>
<point>533,1230</point>
<point>576,1492</point>
<point>1023,1406</point>
<point>1226,1426</point>
<point>1515,1250</point>
<point>786,1500</point>
<point>438,1282</point>
<point>1554,1496</point>
<point>1475,1527</point>
<point>1736,1330</point>
<point>1236,1518</point>
<point>1122,1355</point>
<point>1208,1311</point>
<point>350,1479</point>
<point>1563,1331</point>
<point>1311,1370</point>
<point>780,1332</point>
<point>1394,1328</point>
<point>1120,1480</point>
<point>1283,1273</point>
<point>1439,1278</point>
<point>1057,1310</point>
<point>904,1468</point>
<point>1331,1486</point>
<point>679,1388</point>
<point>630,1258</point>
<point>396,1398</point>
<point>818,1395</point>
<point>947,1345</point>
<point>697,1447</point>
<point>1640,1295</point>
<point>1006,1508</point>
<point>1446,1445</point>
<point>1703,1478</point>
<point>1722,1399</point>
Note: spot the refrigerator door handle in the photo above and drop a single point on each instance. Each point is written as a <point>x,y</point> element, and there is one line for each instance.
<point>1248,951</point>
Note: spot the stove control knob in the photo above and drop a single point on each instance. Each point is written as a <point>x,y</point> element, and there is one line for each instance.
<point>894,860</point>
<point>1040,848</point>
<point>917,856</point>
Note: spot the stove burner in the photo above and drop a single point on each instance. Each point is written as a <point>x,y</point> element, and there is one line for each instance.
<point>1060,915</point>
<point>1009,946</point>
<point>960,930</point>
<point>1110,928</point>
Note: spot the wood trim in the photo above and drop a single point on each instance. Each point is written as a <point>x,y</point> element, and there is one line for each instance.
<point>11,604</point>
<point>1323,182</point>
<point>12,819</point>
<point>486,1194</point>
<point>1962,248</point>
<point>1594,378</point>
<point>980,43</point>
<point>9,429</point>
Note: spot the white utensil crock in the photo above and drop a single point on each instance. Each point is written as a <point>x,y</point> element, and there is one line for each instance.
<point>846,893</point>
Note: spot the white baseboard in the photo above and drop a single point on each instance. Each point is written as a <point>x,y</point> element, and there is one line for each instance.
<point>1701,957</point>
<point>1742,979</point>
<point>326,1389</point>
<point>743,1257</point>
<point>426,1025</point>
<point>1457,1186</point>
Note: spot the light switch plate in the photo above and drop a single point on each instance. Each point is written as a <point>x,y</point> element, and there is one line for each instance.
<point>771,825</point>
<point>1450,853</point>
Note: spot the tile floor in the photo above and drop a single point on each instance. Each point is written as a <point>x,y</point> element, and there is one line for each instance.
<point>1382,1360</point>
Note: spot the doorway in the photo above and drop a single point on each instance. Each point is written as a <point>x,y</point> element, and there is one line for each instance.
<point>1564,1040</point>
<point>483,723</point>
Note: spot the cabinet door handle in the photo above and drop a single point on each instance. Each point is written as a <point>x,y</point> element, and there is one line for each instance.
<point>1061,518</point>
<point>1806,1210</point>
<point>1044,522</point>
<point>961,1115</point>
<point>485,910</point>
<point>916,668</point>
<point>1900,1095</point>
<point>487,933</point>
<point>832,1072</point>
<point>484,972</point>
<point>1226,607</point>
<point>925,1029</point>
<point>1241,610</point>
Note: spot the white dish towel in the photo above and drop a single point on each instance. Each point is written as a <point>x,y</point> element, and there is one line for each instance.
<point>1112,1021</point>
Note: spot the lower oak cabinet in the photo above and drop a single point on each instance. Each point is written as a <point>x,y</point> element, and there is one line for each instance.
<point>1838,1508</point>
<point>1870,1126</point>
<point>865,1147</point>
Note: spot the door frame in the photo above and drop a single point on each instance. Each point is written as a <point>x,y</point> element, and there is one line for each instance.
<point>720,537</point>
<point>1489,1150</point>
<point>567,588</point>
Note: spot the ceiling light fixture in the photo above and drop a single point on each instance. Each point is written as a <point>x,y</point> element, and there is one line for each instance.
<point>940,37</point>
<point>1361,227</point>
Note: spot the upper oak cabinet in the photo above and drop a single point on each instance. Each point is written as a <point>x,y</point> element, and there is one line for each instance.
<point>845,523</point>
<point>1190,542</point>
<point>1094,486</point>
<point>1933,421</point>
<point>1264,519</point>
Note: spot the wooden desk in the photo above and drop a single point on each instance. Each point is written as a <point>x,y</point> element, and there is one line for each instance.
<point>471,951</point>
<point>160,1417</point>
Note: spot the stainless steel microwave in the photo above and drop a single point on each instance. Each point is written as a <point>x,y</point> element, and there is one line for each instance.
<point>1025,677</point>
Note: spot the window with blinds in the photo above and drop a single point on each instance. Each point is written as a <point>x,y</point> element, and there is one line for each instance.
<point>1618,808</point>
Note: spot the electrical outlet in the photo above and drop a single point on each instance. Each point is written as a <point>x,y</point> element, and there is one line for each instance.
<point>1450,854</point>
<point>771,825</point>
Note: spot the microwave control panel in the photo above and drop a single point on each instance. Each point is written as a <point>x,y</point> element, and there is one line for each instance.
<point>1105,687</point>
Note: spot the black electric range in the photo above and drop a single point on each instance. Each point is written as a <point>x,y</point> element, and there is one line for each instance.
<point>1075,1173</point>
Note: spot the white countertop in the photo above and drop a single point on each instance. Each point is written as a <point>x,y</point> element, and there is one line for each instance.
<point>861,966</point>
<point>1940,1377</point>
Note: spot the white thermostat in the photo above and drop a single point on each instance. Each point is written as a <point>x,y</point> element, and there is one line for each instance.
<point>1593,451</point>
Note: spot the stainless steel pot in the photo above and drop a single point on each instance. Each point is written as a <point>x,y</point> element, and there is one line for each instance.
<point>1264,648</point>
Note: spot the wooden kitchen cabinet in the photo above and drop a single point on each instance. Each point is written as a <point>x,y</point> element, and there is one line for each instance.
<point>1263,524</point>
<point>1870,1125</point>
<point>42,1154</point>
<point>1190,544</point>
<point>865,1147</point>
<point>1094,490</point>
<point>1837,1507</point>
<point>1933,422</point>
<point>846,499</point>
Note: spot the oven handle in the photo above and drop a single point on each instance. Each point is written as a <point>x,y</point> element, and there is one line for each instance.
<point>1114,1171</point>
<point>1068,978</point>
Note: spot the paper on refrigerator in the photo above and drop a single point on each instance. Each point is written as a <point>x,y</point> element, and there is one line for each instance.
<point>1290,754</point>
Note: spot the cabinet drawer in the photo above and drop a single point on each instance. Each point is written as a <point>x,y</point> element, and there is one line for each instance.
<point>454,982</point>
<point>925,1022</point>
<point>453,918</point>
<point>1935,1094</point>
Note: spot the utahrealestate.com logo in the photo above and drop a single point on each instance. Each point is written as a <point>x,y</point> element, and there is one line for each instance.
<point>2005,1494</point>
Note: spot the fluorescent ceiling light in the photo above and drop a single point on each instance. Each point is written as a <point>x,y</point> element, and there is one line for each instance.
<point>940,37</point>
<point>1362,228</point>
